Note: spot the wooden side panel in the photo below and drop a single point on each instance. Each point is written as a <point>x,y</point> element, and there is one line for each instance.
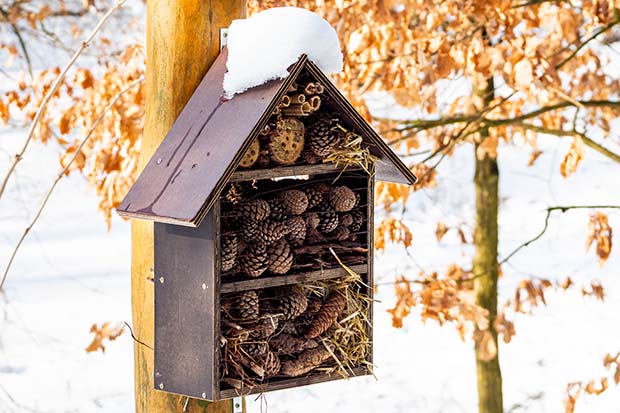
<point>185,316</point>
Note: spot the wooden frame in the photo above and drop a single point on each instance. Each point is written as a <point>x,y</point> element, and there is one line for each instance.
<point>188,290</point>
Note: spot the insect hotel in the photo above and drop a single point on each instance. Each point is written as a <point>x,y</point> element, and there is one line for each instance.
<point>263,210</point>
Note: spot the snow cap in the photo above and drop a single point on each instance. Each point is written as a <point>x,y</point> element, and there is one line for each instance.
<point>263,46</point>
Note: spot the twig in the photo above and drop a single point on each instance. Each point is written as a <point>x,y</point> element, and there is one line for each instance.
<point>52,91</point>
<point>597,33</point>
<point>561,132</point>
<point>62,173</point>
<point>550,210</point>
<point>134,337</point>
<point>20,39</point>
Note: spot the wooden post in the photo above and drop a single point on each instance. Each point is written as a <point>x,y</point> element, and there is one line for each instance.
<point>182,40</point>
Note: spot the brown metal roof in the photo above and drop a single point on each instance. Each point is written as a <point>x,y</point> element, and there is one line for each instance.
<point>204,146</point>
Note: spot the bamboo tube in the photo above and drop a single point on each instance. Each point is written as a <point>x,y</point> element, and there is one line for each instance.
<point>315,103</point>
<point>298,109</point>
<point>310,89</point>
<point>299,98</point>
<point>286,101</point>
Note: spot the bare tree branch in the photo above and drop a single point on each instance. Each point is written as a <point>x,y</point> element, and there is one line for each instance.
<point>62,173</point>
<point>583,44</point>
<point>550,210</point>
<point>19,156</point>
<point>561,132</point>
<point>20,39</point>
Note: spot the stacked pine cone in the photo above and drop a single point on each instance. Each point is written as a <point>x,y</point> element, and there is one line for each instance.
<point>334,212</point>
<point>278,331</point>
<point>261,234</point>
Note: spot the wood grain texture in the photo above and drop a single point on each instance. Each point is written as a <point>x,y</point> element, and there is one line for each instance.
<point>185,299</point>
<point>289,171</point>
<point>182,41</point>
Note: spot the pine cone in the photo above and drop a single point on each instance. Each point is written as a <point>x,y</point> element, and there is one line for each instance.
<point>346,220</point>
<point>270,232</point>
<point>255,209</point>
<point>289,327</point>
<point>358,220</point>
<point>249,229</point>
<point>289,345</point>
<point>342,199</point>
<point>268,325</point>
<point>278,213</point>
<point>312,220</point>
<point>328,221</point>
<point>280,257</point>
<point>294,201</point>
<point>255,348</point>
<point>341,233</point>
<point>271,364</point>
<point>230,248</point>
<point>293,304</point>
<point>305,362</point>
<point>297,230</point>
<point>254,260</point>
<point>329,313</point>
<point>248,306</point>
<point>315,194</point>
<point>321,137</point>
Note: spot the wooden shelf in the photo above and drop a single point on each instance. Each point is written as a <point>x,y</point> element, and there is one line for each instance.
<point>284,383</point>
<point>266,282</point>
<point>284,171</point>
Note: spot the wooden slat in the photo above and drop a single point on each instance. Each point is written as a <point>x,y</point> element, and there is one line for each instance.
<point>266,282</point>
<point>280,384</point>
<point>284,171</point>
<point>185,321</point>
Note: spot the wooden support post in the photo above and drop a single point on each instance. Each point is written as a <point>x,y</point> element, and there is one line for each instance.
<point>182,40</point>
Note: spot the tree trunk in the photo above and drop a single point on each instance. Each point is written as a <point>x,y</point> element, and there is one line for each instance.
<point>485,267</point>
<point>182,41</point>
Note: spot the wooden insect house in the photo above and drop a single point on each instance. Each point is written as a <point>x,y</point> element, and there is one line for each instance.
<point>263,210</point>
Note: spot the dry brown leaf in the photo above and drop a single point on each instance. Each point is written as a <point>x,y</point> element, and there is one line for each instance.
<point>441,230</point>
<point>600,231</point>
<point>486,347</point>
<point>404,301</point>
<point>533,157</point>
<point>105,332</point>
<point>573,157</point>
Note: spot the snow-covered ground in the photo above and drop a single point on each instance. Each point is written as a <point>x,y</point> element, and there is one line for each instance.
<point>71,273</point>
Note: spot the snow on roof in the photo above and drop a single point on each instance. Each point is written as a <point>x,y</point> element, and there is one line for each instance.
<point>263,46</point>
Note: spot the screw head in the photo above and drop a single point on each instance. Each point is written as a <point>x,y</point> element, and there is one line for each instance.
<point>204,286</point>
<point>204,395</point>
<point>158,161</point>
<point>161,280</point>
<point>161,385</point>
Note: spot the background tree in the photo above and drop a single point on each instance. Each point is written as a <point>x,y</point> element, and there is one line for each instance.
<point>531,67</point>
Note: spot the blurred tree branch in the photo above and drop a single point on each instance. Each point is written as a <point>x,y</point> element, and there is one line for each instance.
<point>63,173</point>
<point>52,91</point>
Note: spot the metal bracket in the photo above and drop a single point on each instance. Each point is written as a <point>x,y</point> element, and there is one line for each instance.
<point>237,403</point>
<point>223,38</point>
